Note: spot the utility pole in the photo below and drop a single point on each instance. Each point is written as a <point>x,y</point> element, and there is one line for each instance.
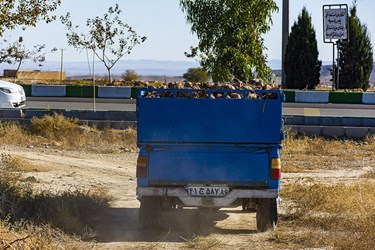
<point>61,66</point>
<point>93,80</point>
<point>284,39</point>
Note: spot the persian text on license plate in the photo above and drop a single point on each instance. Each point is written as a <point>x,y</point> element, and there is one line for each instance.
<point>216,191</point>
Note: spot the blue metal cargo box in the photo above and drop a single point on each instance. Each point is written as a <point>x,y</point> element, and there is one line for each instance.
<point>206,120</point>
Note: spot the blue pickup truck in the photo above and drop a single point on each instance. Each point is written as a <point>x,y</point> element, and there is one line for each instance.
<point>198,150</point>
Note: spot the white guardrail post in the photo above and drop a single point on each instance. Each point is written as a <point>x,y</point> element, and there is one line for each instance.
<point>368,98</point>
<point>114,92</point>
<point>312,96</point>
<point>48,90</point>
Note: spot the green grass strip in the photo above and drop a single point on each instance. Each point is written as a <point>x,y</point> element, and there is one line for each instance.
<point>81,91</point>
<point>345,97</point>
<point>290,96</point>
<point>27,89</point>
<point>134,92</point>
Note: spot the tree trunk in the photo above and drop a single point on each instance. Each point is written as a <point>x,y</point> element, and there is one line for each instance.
<point>109,76</point>
<point>18,68</point>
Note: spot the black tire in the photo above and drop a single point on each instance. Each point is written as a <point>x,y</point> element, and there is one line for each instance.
<point>266,214</point>
<point>149,211</point>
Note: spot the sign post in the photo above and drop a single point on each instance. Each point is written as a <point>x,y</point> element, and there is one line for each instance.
<point>335,31</point>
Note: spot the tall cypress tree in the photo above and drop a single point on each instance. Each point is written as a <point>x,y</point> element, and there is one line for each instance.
<point>301,64</point>
<point>356,55</point>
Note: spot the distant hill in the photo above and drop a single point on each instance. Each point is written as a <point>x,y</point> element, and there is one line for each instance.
<point>156,68</point>
<point>142,67</point>
<point>325,72</point>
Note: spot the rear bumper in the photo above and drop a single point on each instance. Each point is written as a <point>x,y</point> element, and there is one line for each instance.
<point>207,201</point>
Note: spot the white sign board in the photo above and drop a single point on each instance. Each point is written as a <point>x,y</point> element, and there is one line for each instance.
<point>335,21</point>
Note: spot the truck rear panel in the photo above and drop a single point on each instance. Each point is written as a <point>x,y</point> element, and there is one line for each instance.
<point>179,165</point>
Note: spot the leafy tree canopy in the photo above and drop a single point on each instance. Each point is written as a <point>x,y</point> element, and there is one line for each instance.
<point>230,36</point>
<point>301,64</point>
<point>356,55</point>
<point>129,75</point>
<point>15,13</point>
<point>196,75</point>
<point>16,53</point>
<point>107,36</point>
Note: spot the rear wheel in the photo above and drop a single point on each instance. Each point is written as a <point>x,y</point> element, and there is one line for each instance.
<point>149,211</point>
<point>266,214</point>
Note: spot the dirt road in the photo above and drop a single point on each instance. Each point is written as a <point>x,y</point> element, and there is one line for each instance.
<point>117,228</point>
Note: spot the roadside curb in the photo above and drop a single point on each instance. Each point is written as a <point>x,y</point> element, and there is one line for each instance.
<point>48,90</point>
<point>332,131</point>
<point>312,96</point>
<point>298,96</point>
<point>114,92</point>
<point>368,98</point>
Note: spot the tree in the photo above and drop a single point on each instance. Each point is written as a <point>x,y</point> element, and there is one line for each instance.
<point>230,36</point>
<point>301,64</point>
<point>196,75</point>
<point>14,13</point>
<point>356,55</point>
<point>129,75</point>
<point>16,53</point>
<point>108,37</point>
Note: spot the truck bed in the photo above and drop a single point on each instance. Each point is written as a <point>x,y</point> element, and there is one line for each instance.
<point>206,120</point>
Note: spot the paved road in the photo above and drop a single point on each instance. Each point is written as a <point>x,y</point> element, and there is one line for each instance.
<point>323,109</point>
<point>70,103</point>
<point>307,109</point>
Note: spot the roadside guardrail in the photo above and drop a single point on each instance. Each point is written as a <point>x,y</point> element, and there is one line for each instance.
<point>350,127</point>
<point>85,91</point>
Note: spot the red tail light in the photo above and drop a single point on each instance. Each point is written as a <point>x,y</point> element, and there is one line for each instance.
<point>276,168</point>
<point>141,167</point>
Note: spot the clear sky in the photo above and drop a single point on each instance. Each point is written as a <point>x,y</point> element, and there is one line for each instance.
<point>168,35</point>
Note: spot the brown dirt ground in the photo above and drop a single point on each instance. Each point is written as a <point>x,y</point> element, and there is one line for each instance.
<point>117,228</point>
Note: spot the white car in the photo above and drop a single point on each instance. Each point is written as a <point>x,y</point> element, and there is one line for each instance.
<point>11,95</point>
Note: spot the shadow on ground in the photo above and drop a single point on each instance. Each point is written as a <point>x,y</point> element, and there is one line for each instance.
<point>121,225</point>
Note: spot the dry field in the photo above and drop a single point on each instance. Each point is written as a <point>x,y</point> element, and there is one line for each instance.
<point>68,187</point>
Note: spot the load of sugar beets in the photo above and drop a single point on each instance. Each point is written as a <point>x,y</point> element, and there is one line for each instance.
<point>235,90</point>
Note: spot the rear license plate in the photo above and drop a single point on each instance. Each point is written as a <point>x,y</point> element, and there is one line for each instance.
<point>214,191</point>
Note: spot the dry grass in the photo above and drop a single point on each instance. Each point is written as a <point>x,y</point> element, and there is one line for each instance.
<point>20,164</point>
<point>369,174</point>
<point>12,133</point>
<point>36,237</point>
<point>339,216</point>
<point>54,127</point>
<point>310,153</point>
<point>57,131</point>
<point>202,242</point>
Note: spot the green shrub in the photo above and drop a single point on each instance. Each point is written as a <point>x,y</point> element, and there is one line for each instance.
<point>129,76</point>
<point>196,75</point>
